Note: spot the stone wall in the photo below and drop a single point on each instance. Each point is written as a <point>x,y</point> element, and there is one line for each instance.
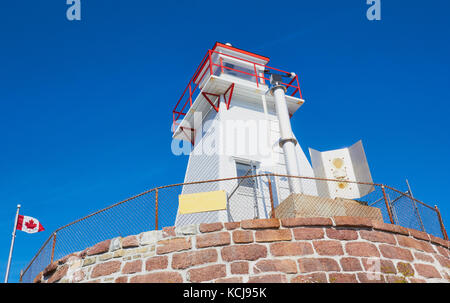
<point>338,249</point>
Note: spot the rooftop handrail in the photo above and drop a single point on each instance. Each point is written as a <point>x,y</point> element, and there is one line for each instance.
<point>206,67</point>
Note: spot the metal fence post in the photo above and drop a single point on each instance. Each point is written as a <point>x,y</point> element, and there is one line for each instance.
<point>415,206</point>
<point>53,247</point>
<point>387,205</point>
<point>156,209</point>
<point>444,232</point>
<point>271,197</point>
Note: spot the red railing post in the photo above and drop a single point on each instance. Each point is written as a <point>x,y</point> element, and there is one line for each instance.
<point>210,64</point>
<point>190,94</point>
<point>298,86</point>
<point>441,222</point>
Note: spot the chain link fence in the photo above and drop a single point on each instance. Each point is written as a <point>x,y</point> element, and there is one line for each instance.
<point>248,197</point>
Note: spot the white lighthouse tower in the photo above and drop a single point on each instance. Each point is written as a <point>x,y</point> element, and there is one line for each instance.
<point>235,111</point>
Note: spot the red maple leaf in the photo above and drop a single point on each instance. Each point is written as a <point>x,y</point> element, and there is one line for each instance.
<point>30,224</point>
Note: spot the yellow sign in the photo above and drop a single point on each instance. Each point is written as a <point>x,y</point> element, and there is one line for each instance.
<point>201,202</point>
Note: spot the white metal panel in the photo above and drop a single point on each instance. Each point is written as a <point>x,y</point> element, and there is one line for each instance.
<point>361,168</point>
<point>345,164</point>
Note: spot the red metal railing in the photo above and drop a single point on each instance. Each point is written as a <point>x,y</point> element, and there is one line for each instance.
<point>206,69</point>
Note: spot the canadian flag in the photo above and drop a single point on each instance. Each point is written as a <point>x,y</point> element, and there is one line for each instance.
<point>28,224</point>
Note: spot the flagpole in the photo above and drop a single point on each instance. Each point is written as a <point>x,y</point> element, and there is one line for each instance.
<point>12,244</point>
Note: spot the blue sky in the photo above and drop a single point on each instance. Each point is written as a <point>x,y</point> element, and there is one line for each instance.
<point>85,106</point>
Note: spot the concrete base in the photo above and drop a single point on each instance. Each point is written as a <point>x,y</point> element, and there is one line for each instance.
<point>300,205</point>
